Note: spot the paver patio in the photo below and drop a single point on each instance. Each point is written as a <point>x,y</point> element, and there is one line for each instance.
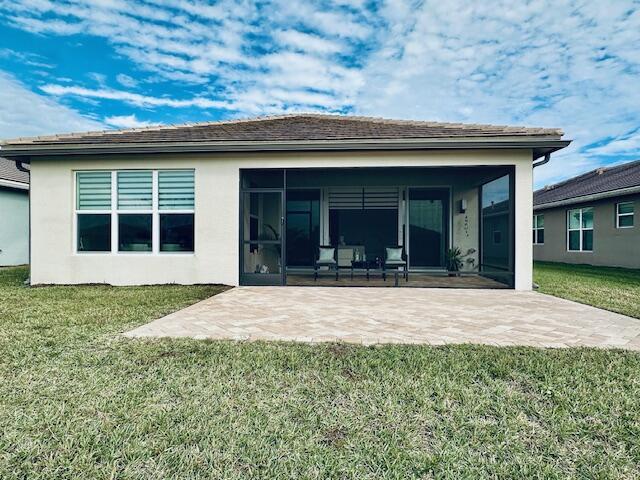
<point>376,315</point>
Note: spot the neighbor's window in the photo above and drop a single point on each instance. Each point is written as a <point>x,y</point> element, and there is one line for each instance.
<point>580,230</point>
<point>538,229</point>
<point>93,211</point>
<point>624,215</point>
<point>176,206</point>
<point>148,211</point>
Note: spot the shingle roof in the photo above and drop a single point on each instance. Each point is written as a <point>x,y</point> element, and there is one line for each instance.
<point>597,181</point>
<point>9,171</point>
<point>298,127</point>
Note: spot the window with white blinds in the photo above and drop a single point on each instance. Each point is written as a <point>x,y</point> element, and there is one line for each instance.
<point>93,191</point>
<point>363,198</point>
<point>138,211</point>
<point>135,190</point>
<point>176,190</point>
<point>93,211</point>
<point>176,204</point>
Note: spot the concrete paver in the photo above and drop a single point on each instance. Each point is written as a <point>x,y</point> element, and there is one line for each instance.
<point>418,315</point>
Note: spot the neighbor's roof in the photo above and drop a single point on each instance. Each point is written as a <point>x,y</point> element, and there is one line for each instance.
<point>10,176</point>
<point>599,183</point>
<point>299,131</point>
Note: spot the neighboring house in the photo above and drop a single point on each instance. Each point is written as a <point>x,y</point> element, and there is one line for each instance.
<point>590,218</point>
<point>14,214</point>
<point>249,201</point>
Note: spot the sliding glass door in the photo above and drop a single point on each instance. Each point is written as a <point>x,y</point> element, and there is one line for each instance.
<point>303,227</point>
<point>428,227</point>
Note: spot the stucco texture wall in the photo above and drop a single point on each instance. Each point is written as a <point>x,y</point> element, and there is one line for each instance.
<point>216,257</point>
<point>614,247</point>
<point>14,227</point>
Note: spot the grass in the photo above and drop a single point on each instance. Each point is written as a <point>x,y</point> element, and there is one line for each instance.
<point>615,289</point>
<point>79,401</point>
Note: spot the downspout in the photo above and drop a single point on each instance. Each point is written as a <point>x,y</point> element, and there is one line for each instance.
<point>547,157</point>
<point>20,166</point>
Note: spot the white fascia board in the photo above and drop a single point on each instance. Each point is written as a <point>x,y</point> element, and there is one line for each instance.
<point>28,149</point>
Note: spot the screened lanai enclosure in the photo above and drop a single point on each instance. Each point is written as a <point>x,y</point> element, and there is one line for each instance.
<point>443,226</point>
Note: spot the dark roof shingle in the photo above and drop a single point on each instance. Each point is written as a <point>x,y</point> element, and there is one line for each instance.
<point>600,180</point>
<point>9,171</point>
<point>297,127</point>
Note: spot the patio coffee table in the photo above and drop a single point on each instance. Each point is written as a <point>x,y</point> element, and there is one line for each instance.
<point>366,265</point>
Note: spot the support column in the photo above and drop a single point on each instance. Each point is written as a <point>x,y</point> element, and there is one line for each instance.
<point>523,225</point>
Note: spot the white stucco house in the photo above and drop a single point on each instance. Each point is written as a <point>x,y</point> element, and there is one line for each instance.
<point>261,201</point>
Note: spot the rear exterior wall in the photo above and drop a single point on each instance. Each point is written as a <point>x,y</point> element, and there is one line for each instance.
<point>216,257</point>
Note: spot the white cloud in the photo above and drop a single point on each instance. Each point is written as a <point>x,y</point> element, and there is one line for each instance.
<point>24,113</point>
<point>126,80</point>
<point>306,42</point>
<point>132,98</point>
<point>99,78</point>
<point>340,24</point>
<point>126,121</point>
<point>627,144</point>
<point>26,58</point>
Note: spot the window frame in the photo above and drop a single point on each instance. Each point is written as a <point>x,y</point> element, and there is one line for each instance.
<point>536,229</point>
<point>77,211</point>
<point>114,211</point>
<point>158,212</point>
<point>618,214</point>
<point>580,229</point>
<point>136,211</point>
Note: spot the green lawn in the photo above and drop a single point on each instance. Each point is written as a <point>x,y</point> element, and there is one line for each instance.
<point>79,401</point>
<point>615,289</point>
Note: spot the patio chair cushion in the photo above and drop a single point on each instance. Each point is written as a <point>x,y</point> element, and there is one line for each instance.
<point>327,255</point>
<point>394,255</point>
<point>395,262</point>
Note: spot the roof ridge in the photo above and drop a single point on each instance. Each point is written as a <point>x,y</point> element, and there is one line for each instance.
<point>365,118</point>
<point>569,180</point>
<point>360,118</point>
<point>593,172</point>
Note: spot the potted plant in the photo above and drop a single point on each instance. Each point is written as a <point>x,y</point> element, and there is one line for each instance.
<point>455,260</point>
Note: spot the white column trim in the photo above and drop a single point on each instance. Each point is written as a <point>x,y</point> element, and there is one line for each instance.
<point>114,211</point>
<point>523,213</point>
<point>155,216</point>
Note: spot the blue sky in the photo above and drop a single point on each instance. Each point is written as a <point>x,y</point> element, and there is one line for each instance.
<point>78,65</point>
